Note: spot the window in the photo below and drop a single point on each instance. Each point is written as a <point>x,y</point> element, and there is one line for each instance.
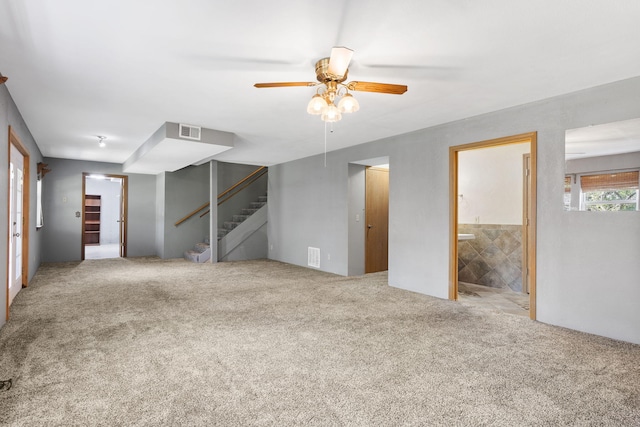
<point>615,191</point>
<point>567,192</point>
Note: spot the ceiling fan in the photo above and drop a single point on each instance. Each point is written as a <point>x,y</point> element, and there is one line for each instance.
<point>331,73</point>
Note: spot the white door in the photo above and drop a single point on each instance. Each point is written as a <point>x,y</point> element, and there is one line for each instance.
<point>16,168</point>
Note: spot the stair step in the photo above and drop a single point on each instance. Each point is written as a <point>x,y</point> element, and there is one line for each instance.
<point>201,247</point>
<point>195,256</point>
<point>249,211</point>
<point>257,205</point>
<point>222,232</point>
<point>240,218</point>
<point>262,199</point>
<point>230,225</point>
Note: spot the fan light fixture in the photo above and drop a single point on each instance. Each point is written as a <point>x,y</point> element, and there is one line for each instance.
<point>101,142</point>
<point>331,73</point>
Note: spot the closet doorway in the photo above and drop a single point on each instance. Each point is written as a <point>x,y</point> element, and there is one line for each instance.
<point>494,232</point>
<point>377,219</point>
<point>104,216</point>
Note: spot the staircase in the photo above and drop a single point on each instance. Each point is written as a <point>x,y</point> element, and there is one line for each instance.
<point>202,251</point>
<point>240,218</point>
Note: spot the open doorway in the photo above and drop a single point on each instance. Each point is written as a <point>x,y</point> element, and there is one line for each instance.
<point>493,224</point>
<point>104,216</point>
<point>376,252</point>
<point>368,224</point>
<point>18,207</point>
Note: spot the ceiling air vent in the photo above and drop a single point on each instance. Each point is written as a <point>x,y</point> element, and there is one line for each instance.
<point>190,132</point>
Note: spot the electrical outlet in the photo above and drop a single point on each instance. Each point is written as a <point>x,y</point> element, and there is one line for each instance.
<point>270,247</point>
<point>328,257</point>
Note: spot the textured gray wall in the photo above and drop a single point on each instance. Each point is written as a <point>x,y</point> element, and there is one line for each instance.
<point>184,191</point>
<point>586,262</point>
<point>62,197</point>
<point>356,224</point>
<point>159,224</point>
<point>10,116</point>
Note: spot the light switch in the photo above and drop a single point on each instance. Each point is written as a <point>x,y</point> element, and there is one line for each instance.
<point>357,217</point>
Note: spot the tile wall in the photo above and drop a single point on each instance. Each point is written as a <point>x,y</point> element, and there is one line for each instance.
<point>493,258</point>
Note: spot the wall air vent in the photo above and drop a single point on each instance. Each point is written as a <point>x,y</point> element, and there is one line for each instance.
<point>190,132</point>
<point>313,257</point>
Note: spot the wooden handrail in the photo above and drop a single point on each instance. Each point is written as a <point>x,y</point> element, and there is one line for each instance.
<point>254,179</point>
<point>192,213</point>
<point>228,190</point>
<point>225,192</point>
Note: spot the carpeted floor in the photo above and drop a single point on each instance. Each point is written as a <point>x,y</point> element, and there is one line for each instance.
<point>150,342</point>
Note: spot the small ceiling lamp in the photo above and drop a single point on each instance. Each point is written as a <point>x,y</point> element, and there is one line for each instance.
<point>316,105</point>
<point>101,142</point>
<point>348,104</point>
<point>331,114</point>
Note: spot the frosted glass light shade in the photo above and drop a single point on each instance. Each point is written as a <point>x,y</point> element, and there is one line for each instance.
<point>316,105</point>
<point>331,114</point>
<point>348,104</point>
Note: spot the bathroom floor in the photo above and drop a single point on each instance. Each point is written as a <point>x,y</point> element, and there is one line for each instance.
<point>504,300</point>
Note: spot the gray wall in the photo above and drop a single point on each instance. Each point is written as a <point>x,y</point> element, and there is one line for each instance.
<point>356,222</point>
<point>184,191</point>
<point>10,116</point>
<point>62,198</point>
<point>586,261</point>
<point>159,224</point>
<point>604,163</point>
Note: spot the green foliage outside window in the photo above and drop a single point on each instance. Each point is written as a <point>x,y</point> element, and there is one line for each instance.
<point>611,200</point>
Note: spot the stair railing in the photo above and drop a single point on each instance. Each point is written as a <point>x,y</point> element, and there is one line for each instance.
<point>228,193</point>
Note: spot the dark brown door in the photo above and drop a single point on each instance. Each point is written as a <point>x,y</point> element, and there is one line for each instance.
<point>377,219</point>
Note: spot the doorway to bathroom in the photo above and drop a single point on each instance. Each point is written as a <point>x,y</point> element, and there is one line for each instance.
<point>493,228</point>
<point>104,216</point>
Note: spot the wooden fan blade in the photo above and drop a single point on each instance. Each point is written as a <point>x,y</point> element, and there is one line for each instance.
<point>377,87</point>
<point>284,84</point>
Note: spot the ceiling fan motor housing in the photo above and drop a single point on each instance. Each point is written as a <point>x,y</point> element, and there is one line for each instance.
<point>323,75</point>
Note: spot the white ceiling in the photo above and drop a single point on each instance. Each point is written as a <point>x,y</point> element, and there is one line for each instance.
<point>602,140</point>
<point>121,68</point>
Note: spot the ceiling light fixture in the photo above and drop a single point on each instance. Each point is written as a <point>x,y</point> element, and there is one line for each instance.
<point>331,74</point>
<point>323,102</point>
<point>101,142</point>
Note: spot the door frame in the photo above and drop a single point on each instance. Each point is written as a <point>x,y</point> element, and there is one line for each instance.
<point>26,191</point>
<point>124,203</point>
<point>531,138</point>
<point>526,199</point>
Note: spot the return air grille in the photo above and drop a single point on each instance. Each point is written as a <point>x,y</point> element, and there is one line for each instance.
<point>190,132</point>
<point>313,257</point>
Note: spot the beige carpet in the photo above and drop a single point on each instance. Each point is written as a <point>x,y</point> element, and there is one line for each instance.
<point>151,342</point>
